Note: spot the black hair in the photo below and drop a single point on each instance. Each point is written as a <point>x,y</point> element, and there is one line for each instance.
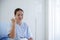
<point>17,9</point>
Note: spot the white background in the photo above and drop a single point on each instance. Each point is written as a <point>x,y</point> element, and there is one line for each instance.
<point>43,19</point>
<point>34,15</point>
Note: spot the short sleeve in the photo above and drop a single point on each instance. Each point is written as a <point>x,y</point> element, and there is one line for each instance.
<point>29,33</point>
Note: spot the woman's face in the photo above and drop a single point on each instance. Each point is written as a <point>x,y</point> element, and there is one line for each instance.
<point>19,15</point>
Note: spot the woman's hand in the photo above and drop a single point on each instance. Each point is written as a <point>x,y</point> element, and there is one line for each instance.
<point>13,21</point>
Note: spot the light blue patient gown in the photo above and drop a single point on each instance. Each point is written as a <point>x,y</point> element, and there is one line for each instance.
<point>22,31</point>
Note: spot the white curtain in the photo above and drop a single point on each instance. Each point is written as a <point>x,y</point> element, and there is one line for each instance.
<point>54,20</point>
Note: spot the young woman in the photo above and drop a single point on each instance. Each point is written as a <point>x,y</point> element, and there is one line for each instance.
<point>19,30</point>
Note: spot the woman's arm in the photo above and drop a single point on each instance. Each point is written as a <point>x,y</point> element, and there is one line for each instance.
<point>12,32</point>
<point>30,39</point>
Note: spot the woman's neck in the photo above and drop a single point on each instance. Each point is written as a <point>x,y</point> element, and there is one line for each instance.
<point>19,22</point>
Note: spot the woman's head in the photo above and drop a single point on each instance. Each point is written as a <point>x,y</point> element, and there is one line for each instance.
<point>18,13</point>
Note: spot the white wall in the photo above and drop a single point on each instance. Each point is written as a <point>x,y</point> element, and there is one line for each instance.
<point>34,14</point>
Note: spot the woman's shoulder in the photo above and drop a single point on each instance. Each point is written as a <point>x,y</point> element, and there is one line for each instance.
<point>25,24</point>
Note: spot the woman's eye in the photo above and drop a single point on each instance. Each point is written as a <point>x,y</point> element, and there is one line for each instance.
<point>22,15</point>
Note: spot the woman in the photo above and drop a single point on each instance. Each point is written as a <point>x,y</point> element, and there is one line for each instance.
<point>19,30</point>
